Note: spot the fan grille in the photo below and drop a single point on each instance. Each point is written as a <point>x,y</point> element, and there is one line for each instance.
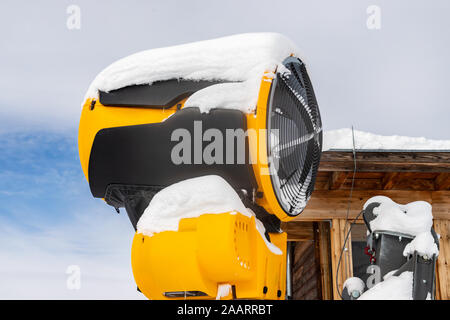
<point>294,137</point>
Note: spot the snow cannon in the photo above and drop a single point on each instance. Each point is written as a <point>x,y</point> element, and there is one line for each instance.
<point>240,107</point>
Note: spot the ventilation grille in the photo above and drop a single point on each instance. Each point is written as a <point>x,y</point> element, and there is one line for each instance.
<point>294,137</point>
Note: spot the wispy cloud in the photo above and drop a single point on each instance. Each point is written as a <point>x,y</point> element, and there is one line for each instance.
<point>49,221</point>
<point>35,260</point>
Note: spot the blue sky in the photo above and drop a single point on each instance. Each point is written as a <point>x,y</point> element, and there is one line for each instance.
<point>388,81</point>
<point>49,221</point>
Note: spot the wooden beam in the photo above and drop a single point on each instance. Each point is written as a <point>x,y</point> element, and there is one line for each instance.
<point>338,234</point>
<point>323,243</point>
<point>440,201</point>
<point>298,230</point>
<point>442,181</point>
<point>386,161</point>
<point>332,204</point>
<point>389,180</point>
<point>337,179</point>
<point>442,227</point>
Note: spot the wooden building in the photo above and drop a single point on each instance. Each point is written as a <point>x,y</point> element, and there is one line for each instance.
<point>317,235</point>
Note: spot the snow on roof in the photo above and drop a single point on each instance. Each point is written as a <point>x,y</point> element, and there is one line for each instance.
<point>240,59</point>
<point>413,218</point>
<point>191,198</point>
<point>341,139</point>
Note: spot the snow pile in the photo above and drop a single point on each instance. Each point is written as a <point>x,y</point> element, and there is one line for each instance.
<point>188,199</point>
<point>191,198</point>
<point>393,288</point>
<point>413,218</point>
<point>354,284</point>
<point>242,59</point>
<point>424,244</point>
<point>342,139</point>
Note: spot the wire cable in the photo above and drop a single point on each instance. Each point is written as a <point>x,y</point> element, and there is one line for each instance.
<point>347,215</point>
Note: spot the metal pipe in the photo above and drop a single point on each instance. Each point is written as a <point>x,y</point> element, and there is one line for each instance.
<point>289,270</point>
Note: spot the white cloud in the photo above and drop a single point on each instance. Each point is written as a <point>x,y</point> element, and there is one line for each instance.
<point>34,263</point>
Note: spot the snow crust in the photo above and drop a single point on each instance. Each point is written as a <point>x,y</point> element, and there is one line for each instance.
<point>393,288</point>
<point>413,218</point>
<point>342,139</point>
<point>354,284</point>
<point>424,244</point>
<point>242,58</point>
<point>191,198</point>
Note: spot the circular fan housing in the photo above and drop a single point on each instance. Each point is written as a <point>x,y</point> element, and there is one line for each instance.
<point>294,136</point>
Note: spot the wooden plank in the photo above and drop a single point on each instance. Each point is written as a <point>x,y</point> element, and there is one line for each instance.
<point>325,260</point>
<point>298,230</point>
<point>414,184</point>
<point>339,230</point>
<point>442,182</point>
<point>305,271</point>
<point>440,201</point>
<point>306,258</point>
<point>362,184</point>
<point>326,205</point>
<point>369,175</point>
<point>308,290</point>
<point>317,258</point>
<point>330,204</point>
<point>442,228</point>
<point>337,179</point>
<point>347,261</point>
<point>386,161</point>
<point>389,180</point>
<point>445,234</point>
<point>437,284</point>
<point>335,242</point>
<point>300,248</point>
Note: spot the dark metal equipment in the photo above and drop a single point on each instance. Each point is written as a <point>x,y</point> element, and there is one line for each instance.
<point>385,249</point>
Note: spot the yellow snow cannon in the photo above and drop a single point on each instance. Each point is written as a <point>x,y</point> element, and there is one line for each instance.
<point>136,140</point>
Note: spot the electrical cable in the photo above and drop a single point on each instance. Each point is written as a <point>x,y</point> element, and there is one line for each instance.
<point>347,214</point>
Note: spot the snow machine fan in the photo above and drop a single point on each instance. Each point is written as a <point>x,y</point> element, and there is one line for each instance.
<point>294,144</point>
<point>126,144</point>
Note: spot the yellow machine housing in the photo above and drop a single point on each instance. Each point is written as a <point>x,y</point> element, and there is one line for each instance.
<point>205,252</point>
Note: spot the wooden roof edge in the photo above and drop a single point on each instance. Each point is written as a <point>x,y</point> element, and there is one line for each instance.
<point>390,150</point>
<point>386,161</point>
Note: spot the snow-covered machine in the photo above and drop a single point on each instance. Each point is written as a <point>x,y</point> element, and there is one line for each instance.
<point>402,247</point>
<point>241,108</point>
